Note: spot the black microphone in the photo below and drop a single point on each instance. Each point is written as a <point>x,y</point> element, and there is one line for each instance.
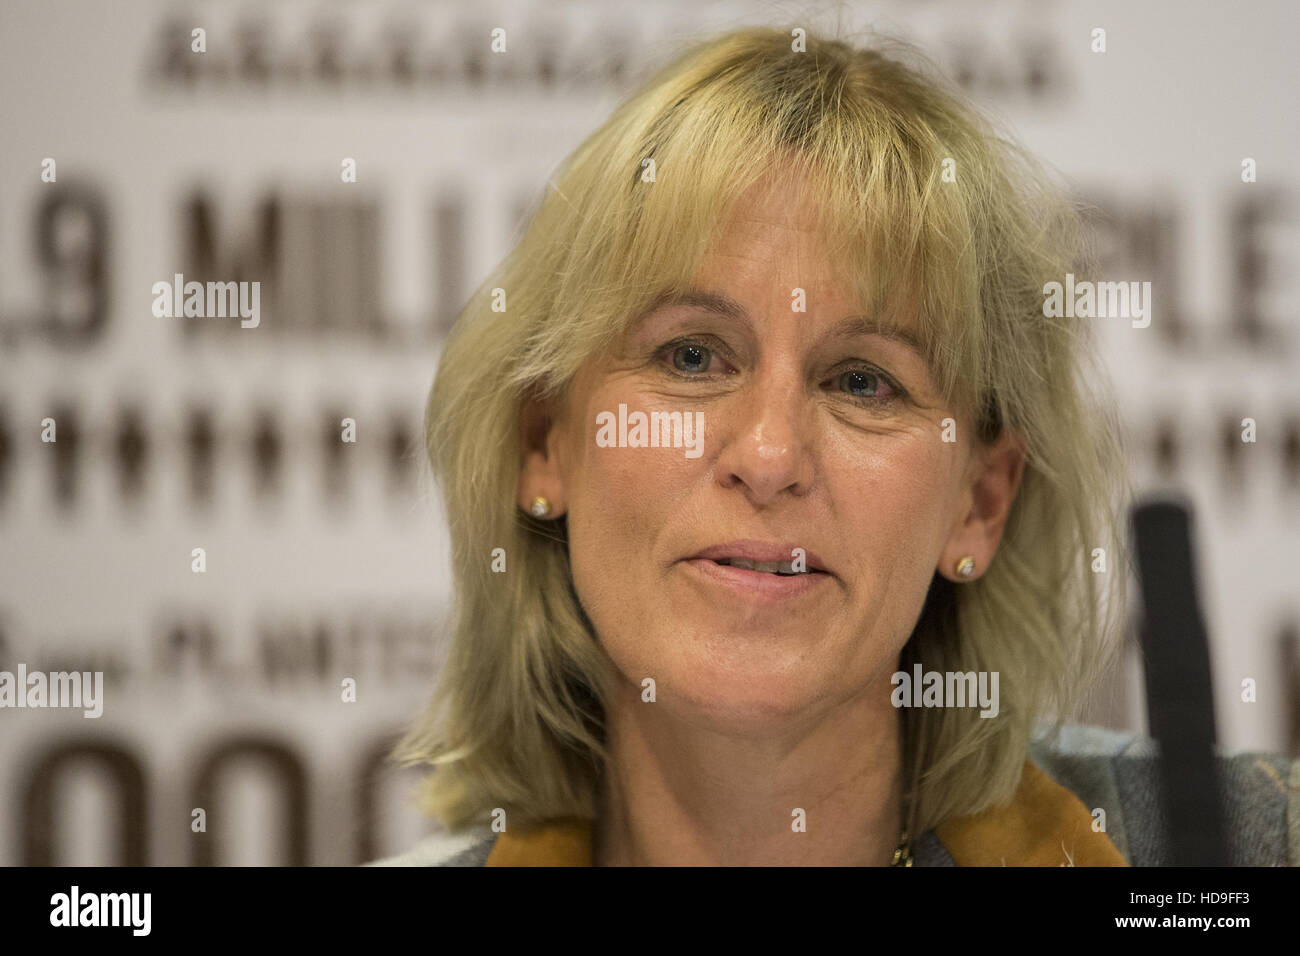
<point>1180,703</point>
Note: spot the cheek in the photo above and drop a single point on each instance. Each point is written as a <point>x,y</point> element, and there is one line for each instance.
<point>622,504</point>
<point>893,496</point>
<point>624,492</point>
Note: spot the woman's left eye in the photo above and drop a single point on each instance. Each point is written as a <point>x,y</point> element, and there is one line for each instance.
<point>866,384</point>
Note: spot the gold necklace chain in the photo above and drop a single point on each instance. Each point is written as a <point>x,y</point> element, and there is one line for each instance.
<point>903,852</point>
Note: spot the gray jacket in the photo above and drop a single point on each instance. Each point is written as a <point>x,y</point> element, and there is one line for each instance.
<point>1103,768</point>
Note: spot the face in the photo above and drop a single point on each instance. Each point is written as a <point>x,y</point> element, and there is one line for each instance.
<point>817,435</point>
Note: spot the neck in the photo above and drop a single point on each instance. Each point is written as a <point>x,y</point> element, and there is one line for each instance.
<point>677,795</point>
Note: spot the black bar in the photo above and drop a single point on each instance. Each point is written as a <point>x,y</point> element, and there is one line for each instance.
<point>1180,704</point>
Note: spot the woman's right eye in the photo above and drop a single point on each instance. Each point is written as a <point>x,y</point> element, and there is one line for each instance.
<point>691,358</point>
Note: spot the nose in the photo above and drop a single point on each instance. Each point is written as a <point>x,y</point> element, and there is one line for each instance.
<point>767,438</point>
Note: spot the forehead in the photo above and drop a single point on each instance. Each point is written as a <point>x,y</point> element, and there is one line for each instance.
<point>773,242</point>
<point>773,246</point>
<point>770,212</point>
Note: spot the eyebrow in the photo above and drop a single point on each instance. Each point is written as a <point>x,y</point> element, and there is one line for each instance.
<point>719,303</point>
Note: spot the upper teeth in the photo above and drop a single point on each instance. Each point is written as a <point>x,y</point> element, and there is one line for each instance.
<point>772,567</point>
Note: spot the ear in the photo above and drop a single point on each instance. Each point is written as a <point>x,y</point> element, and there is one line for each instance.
<point>540,474</point>
<point>993,479</point>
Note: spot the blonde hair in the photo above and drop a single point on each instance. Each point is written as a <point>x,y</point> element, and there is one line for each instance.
<point>919,200</point>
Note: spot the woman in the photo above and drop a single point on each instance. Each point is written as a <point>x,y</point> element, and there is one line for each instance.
<point>775,498</point>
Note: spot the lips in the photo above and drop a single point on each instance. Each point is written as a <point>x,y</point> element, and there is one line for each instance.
<point>772,558</point>
<point>771,567</point>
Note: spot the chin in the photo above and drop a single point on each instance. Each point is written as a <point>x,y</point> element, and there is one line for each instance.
<point>749,696</point>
